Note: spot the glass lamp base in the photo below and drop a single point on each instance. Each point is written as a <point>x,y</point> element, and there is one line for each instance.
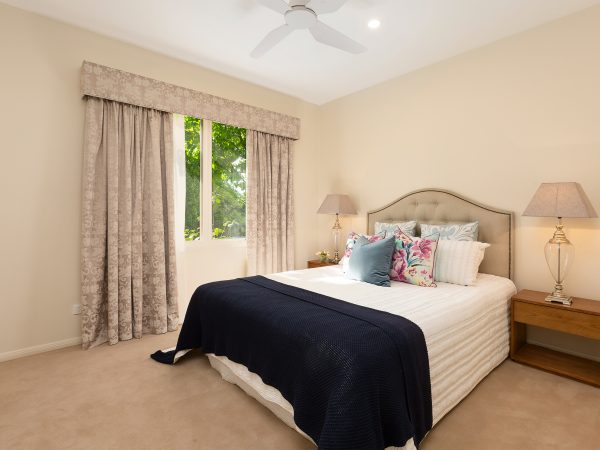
<point>559,298</point>
<point>336,239</point>
<point>558,253</point>
<point>336,258</point>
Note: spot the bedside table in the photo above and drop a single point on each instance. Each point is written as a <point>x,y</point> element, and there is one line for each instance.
<point>581,318</point>
<point>317,263</point>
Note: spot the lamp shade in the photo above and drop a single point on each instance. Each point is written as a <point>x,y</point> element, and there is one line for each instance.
<point>560,200</point>
<point>337,204</point>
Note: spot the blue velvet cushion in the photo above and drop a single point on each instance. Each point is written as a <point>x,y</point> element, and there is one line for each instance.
<point>370,261</point>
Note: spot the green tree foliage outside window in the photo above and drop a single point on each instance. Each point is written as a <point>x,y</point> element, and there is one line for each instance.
<point>193,128</point>
<point>228,180</point>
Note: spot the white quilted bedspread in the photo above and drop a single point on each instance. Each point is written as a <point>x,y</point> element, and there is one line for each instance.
<point>466,329</point>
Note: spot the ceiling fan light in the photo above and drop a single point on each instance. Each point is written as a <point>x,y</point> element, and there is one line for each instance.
<point>373,24</point>
<point>300,18</point>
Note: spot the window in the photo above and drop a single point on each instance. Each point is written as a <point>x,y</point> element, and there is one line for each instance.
<point>215,196</point>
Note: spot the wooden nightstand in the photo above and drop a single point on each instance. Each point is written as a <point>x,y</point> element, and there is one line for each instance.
<point>581,318</point>
<point>317,263</point>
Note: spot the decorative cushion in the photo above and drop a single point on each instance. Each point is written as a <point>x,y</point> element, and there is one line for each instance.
<point>413,260</point>
<point>370,261</point>
<point>452,231</point>
<point>408,228</point>
<point>352,238</point>
<point>457,262</point>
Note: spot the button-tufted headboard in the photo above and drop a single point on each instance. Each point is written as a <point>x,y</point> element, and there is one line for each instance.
<point>496,226</point>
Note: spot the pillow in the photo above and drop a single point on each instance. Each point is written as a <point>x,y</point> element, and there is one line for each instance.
<point>370,261</point>
<point>352,238</point>
<point>457,262</point>
<point>413,260</point>
<point>408,228</point>
<point>452,231</point>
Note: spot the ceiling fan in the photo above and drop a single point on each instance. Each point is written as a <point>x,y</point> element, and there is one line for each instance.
<point>303,15</point>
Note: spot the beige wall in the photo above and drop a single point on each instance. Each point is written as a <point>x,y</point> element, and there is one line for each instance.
<point>41,121</point>
<point>491,124</point>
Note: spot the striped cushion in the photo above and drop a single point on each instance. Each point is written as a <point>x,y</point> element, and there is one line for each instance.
<point>457,262</point>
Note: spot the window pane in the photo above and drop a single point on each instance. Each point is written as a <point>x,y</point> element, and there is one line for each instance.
<point>193,155</point>
<point>228,181</point>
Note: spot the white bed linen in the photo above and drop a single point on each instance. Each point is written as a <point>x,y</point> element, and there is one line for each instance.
<point>466,329</point>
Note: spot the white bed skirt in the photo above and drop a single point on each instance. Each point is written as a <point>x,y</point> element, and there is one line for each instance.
<point>267,395</point>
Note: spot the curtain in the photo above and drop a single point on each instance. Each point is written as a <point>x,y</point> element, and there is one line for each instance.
<point>128,273</point>
<point>270,203</point>
<point>179,188</point>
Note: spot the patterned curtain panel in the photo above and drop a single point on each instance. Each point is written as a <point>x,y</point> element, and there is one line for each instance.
<point>270,203</point>
<point>128,274</point>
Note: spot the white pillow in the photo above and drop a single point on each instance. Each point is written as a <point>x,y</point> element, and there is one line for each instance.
<point>457,262</point>
<point>390,227</point>
<point>452,231</point>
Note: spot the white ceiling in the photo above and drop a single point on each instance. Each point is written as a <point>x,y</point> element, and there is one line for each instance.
<point>219,34</point>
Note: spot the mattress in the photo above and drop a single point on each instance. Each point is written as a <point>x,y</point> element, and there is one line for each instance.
<point>466,329</point>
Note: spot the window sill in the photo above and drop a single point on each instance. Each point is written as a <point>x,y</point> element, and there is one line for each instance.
<point>231,243</point>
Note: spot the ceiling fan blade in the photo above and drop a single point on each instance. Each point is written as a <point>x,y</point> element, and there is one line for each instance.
<point>325,6</point>
<point>276,5</point>
<point>328,36</point>
<point>271,40</point>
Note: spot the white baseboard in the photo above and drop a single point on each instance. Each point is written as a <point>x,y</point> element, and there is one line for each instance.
<point>20,353</point>
<point>28,351</point>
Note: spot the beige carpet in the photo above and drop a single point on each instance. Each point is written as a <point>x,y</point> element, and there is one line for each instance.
<point>117,398</point>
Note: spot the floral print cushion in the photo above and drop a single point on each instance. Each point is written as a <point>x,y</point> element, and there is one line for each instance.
<point>452,231</point>
<point>352,238</point>
<point>413,259</point>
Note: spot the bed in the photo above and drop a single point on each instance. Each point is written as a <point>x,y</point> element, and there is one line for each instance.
<point>466,329</point>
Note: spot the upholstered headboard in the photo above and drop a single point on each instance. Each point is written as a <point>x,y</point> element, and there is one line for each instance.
<point>496,226</point>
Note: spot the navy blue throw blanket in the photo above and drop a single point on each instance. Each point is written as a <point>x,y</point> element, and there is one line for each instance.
<point>356,377</point>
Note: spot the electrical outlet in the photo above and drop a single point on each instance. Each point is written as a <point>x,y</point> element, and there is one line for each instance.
<point>76,309</point>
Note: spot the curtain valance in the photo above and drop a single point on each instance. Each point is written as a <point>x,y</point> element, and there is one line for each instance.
<point>113,84</point>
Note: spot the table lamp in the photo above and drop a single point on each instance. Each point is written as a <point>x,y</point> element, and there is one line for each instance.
<point>337,204</point>
<point>559,200</point>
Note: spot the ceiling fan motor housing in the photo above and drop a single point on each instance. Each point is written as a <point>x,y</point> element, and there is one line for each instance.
<point>300,17</point>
